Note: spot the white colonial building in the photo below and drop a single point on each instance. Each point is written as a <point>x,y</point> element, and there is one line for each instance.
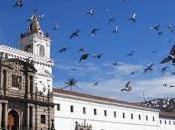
<point>37,105</point>
<point>106,114</point>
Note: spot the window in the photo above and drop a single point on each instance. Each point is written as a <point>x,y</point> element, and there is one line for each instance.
<point>16,81</point>
<point>160,121</point>
<point>123,115</point>
<point>153,118</point>
<point>84,110</point>
<point>173,122</point>
<point>115,114</point>
<point>71,108</point>
<point>132,116</point>
<point>41,51</point>
<point>146,117</point>
<point>169,122</point>
<point>58,107</point>
<point>139,117</point>
<point>95,111</point>
<point>105,113</point>
<point>43,119</point>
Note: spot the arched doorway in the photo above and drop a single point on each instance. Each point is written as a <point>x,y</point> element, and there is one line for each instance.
<point>13,120</point>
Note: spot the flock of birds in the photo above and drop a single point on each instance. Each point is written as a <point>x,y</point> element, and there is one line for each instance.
<point>85,56</point>
<point>163,104</point>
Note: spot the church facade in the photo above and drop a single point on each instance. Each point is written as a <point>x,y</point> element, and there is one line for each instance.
<point>28,100</point>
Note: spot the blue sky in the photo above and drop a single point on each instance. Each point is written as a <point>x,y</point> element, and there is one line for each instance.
<point>70,14</point>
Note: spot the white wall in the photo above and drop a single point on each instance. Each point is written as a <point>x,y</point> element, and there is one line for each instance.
<point>167,124</point>
<point>65,120</point>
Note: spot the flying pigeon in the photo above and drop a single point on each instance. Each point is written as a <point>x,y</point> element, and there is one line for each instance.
<point>81,50</point>
<point>112,20</point>
<point>91,12</point>
<point>155,27</point>
<point>18,3</point>
<point>56,26</point>
<point>127,87</point>
<point>98,56</point>
<point>149,68</point>
<point>133,17</point>
<point>170,57</point>
<point>131,53</point>
<point>96,83</point>
<point>171,28</point>
<point>94,31</point>
<point>63,49</point>
<point>74,34</point>
<point>164,69</point>
<point>115,30</point>
<point>84,57</point>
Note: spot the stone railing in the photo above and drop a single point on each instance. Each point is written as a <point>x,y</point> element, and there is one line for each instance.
<point>9,52</point>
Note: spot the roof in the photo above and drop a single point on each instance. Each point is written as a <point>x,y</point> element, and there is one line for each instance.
<point>98,99</point>
<point>167,115</point>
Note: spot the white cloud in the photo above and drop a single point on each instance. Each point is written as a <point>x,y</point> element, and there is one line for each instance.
<point>151,88</point>
<point>126,68</point>
<point>110,87</point>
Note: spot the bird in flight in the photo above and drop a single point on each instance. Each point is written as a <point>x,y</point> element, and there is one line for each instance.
<point>63,49</point>
<point>170,57</point>
<point>165,85</point>
<point>164,69</point>
<point>74,34</point>
<point>18,3</point>
<point>81,50</point>
<point>132,73</point>
<point>94,31</point>
<point>131,53</point>
<point>171,28</point>
<point>98,56</point>
<point>112,20</point>
<point>127,87</point>
<point>149,68</point>
<point>84,57</point>
<point>155,27</point>
<point>96,83</point>
<point>56,26</point>
<point>171,86</point>
<point>160,33</point>
<point>115,30</point>
<point>115,64</point>
<point>133,17</point>
<point>91,12</point>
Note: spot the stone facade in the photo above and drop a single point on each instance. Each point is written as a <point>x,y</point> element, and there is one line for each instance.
<point>26,101</point>
<point>22,105</point>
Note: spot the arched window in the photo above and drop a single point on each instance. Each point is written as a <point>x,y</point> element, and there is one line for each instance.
<point>41,50</point>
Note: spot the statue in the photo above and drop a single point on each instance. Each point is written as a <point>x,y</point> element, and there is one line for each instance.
<point>34,25</point>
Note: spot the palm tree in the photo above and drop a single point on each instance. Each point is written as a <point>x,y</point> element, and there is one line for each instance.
<point>70,83</point>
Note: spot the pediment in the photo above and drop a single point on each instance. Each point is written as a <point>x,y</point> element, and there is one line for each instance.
<point>18,65</point>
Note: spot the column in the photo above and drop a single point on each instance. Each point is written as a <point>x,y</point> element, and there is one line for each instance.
<point>27,116</point>
<point>1,81</point>
<point>0,115</point>
<point>5,114</point>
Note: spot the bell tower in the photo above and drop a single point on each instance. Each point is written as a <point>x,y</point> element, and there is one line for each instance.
<point>35,40</point>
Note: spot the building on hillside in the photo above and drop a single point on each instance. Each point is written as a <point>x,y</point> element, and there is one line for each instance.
<point>28,100</point>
